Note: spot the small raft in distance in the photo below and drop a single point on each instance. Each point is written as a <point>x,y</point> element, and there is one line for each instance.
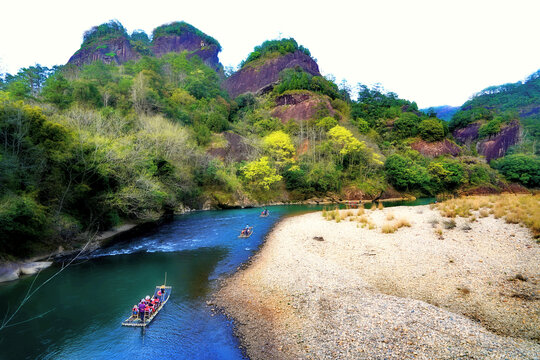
<point>265,215</point>
<point>250,231</point>
<point>136,321</point>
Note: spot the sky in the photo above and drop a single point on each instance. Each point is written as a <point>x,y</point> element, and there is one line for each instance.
<point>430,51</point>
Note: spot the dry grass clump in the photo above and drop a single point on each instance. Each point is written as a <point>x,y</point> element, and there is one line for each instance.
<point>388,228</point>
<point>514,208</point>
<point>360,210</point>
<point>449,224</point>
<point>403,222</point>
<point>332,214</point>
<point>380,206</point>
<point>390,216</point>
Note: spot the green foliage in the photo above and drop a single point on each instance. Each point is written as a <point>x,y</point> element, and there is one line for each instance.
<point>327,123</point>
<point>375,102</point>
<point>268,47</point>
<point>521,168</point>
<point>491,128</point>
<point>265,126</point>
<point>406,125</point>
<point>362,125</point>
<point>140,42</point>
<point>431,130</point>
<point>104,32</point>
<point>463,118</point>
<point>446,174</point>
<point>27,83</point>
<point>58,91</point>
<point>406,174</point>
<point>179,28</point>
<point>22,222</point>
<point>297,79</point>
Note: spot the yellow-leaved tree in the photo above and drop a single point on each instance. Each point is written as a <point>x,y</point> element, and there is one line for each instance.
<point>346,144</point>
<point>280,148</point>
<point>259,175</point>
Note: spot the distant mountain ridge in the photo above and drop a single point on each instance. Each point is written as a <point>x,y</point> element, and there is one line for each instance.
<point>444,112</point>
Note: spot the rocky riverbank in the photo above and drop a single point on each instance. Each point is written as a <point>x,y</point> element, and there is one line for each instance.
<point>323,290</point>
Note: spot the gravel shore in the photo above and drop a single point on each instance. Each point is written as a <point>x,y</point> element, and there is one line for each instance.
<point>325,290</point>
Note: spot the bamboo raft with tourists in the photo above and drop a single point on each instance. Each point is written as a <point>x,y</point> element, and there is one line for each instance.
<point>265,213</point>
<point>246,232</point>
<point>147,309</point>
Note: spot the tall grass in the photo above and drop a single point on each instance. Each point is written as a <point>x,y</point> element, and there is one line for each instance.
<point>513,208</point>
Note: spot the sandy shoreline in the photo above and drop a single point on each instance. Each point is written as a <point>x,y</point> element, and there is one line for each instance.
<point>362,294</point>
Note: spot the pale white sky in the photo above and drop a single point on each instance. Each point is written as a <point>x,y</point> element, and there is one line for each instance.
<point>433,52</point>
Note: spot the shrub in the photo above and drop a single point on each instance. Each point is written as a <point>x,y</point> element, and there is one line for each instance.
<point>179,28</point>
<point>449,224</point>
<point>22,222</point>
<point>431,130</point>
<point>521,168</point>
<point>282,46</point>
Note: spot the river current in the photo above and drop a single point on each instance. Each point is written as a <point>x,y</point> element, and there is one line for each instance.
<point>85,305</point>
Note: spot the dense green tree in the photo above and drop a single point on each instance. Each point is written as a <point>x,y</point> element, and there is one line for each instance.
<point>431,129</point>
<point>521,168</point>
<point>406,125</point>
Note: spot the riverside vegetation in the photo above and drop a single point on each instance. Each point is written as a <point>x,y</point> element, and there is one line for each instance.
<point>86,147</point>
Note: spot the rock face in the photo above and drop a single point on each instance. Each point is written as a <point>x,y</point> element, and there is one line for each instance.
<point>119,50</point>
<point>495,146</point>
<point>300,106</point>
<point>261,77</point>
<point>190,42</point>
<point>467,134</point>
<point>120,47</point>
<point>438,148</point>
<point>236,148</point>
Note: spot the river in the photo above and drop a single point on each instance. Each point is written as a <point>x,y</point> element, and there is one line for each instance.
<point>89,300</point>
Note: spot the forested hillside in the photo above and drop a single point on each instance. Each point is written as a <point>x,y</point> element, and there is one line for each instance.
<point>508,115</point>
<point>110,138</point>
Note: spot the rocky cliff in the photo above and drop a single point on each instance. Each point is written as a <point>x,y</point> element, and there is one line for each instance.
<point>234,148</point>
<point>437,148</point>
<point>111,51</point>
<point>301,106</point>
<point>190,42</point>
<point>494,146</point>
<point>262,76</point>
<point>111,44</point>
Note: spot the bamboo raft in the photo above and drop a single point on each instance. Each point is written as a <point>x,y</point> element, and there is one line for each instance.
<point>137,321</point>
<point>267,214</point>
<point>250,231</point>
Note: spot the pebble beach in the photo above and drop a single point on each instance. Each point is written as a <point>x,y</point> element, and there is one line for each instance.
<point>319,289</point>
